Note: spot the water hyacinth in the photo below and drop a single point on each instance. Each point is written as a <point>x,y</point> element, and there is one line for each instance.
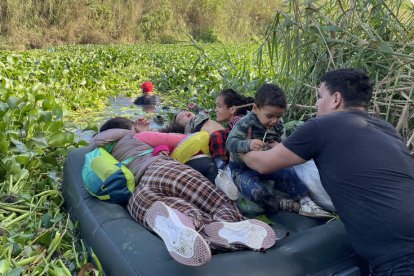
<point>45,95</point>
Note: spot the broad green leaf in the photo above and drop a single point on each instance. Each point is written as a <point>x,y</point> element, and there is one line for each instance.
<point>70,137</point>
<point>58,140</point>
<point>27,251</point>
<point>57,218</point>
<point>49,160</point>
<point>46,237</point>
<point>30,97</point>
<point>4,267</point>
<point>22,106</point>
<point>54,126</point>
<point>53,175</point>
<point>14,132</point>
<point>8,83</point>
<point>20,147</point>
<point>4,106</point>
<point>15,271</point>
<point>23,159</point>
<point>47,105</point>
<point>23,174</point>
<point>38,86</point>
<point>4,146</point>
<point>45,116</point>
<point>40,140</point>
<point>12,101</point>
<point>13,167</point>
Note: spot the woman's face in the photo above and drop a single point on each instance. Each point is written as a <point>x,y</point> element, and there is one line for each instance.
<point>183,118</point>
<point>223,112</point>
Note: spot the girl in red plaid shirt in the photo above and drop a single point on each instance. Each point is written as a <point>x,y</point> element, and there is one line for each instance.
<point>230,107</point>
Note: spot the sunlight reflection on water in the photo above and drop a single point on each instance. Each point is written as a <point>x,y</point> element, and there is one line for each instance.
<point>159,115</point>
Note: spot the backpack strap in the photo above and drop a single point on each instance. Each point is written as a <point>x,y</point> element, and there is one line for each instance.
<point>132,158</point>
<point>110,147</point>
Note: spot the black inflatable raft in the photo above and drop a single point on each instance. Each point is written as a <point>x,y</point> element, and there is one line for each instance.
<point>314,247</point>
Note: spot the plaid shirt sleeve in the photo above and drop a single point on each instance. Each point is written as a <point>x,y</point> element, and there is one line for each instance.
<point>218,144</point>
<point>233,122</point>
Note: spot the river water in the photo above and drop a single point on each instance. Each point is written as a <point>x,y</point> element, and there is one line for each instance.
<point>159,115</point>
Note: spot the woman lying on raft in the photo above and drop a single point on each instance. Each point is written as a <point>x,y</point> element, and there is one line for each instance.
<point>183,207</point>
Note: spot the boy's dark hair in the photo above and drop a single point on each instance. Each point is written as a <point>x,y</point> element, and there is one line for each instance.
<point>117,122</point>
<point>270,94</point>
<point>354,85</point>
<point>232,98</point>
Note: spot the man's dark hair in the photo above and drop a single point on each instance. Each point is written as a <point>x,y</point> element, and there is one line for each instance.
<point>270,94</point>
<point>354,85</point>
<point>117,122</point>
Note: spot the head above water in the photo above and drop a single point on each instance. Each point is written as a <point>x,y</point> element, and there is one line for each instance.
<point>147,87</point>
<point>117,122</point>
<point>344,89</point>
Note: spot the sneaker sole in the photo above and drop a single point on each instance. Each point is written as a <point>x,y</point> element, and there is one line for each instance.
<point>312,215</point>
<point>184,244</point>
<point>252,233</point>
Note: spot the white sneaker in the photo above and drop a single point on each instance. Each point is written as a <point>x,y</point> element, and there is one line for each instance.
<point>184,243</point>
<point>252,233</point>
<point>226,185</point>
<point>310,209</point>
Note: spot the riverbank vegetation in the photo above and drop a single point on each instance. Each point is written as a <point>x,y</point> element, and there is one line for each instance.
<point>48,92</point>
<point>30,24</point>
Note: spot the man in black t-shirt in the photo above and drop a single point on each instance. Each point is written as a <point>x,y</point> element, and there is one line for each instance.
<point>364,166</point>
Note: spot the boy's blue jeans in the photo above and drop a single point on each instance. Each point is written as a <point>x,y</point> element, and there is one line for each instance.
<point>254,186</point>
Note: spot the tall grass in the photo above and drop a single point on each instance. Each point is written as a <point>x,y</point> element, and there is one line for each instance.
<point>41,23</point>
<point>308,38</point>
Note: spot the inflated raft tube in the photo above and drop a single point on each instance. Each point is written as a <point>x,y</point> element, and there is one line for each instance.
<point>124,247</point>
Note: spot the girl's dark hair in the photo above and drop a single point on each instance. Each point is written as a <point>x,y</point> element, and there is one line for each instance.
<point>232,98</point>
<point>172,127</point>
<point>117,122</point>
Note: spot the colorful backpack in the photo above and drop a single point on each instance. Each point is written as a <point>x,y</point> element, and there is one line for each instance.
<point>106,178</point>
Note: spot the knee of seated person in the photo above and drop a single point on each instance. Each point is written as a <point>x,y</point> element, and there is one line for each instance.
<point>219,162</point>
<point>205,166</point>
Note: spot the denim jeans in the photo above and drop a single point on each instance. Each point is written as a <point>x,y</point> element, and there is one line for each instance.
<point>403,266</point>
<point>255,186</point>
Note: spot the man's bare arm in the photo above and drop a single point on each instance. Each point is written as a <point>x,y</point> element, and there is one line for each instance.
<point>271,160</point>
